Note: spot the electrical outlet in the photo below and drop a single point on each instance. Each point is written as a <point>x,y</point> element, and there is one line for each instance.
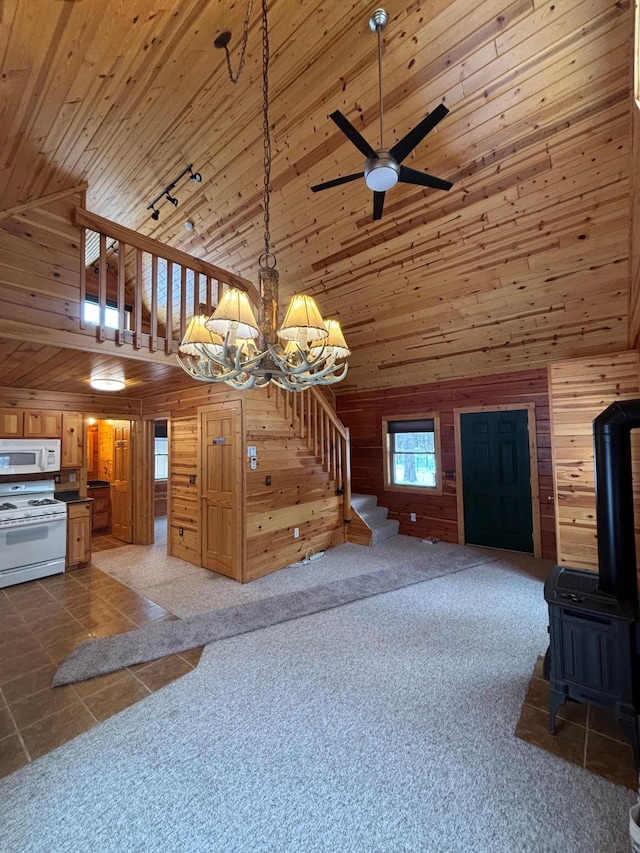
<point>267,480</point>
<point>181,531</point>
<point>296,532</point>
<point>413,516</point>
<point>72,477</point>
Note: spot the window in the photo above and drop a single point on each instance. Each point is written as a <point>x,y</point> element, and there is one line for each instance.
<point>412,453</point>
<point>91,313</point>
<point>161,453</point>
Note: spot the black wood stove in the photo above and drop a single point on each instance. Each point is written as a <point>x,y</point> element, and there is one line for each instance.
<point>593,618</point>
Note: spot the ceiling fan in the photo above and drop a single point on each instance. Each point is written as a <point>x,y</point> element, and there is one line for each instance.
<point>383,168</point>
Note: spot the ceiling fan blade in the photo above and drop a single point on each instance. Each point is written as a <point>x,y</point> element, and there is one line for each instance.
<point>422,179</point>
<point>378,204</point>
<point>352,134</point>
<point>406,145</point>
<point>346,179</point>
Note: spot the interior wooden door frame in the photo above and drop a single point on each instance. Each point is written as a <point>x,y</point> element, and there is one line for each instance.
<point>533,466</point>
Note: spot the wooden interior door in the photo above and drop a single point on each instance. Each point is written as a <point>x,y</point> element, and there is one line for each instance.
<point>222,490</point>
<point>121,505</point>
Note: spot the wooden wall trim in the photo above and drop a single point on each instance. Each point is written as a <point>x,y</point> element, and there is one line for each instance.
<point>45,199</point>
<point>533,456</point>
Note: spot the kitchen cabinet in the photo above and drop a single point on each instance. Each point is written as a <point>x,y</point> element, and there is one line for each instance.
<point>71,455</point>
<point>42,424</point>
<point>101,510</point>
<point>78,534</point>
<point>11,423</point>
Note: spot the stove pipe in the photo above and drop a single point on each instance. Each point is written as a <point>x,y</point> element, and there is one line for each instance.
<point>614,499</point>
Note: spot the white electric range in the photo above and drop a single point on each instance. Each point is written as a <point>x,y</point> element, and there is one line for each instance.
<point>33,531</point>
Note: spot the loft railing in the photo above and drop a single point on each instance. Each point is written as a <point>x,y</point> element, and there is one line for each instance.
<point>326,436</point>
<point>151,290</point>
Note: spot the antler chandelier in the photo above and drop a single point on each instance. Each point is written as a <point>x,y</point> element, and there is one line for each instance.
<point>231,346</point>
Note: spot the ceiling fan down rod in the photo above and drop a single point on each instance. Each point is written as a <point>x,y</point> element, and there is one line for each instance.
<point>377,22</point>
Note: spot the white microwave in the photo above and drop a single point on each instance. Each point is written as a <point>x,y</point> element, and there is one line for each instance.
<point>29,456</point>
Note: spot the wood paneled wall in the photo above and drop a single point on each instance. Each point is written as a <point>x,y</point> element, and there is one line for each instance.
<point>92,405</point>
<point>183,521</point>
<point>437,514</point>
<point>634,266</point>
<point>301,493</point>
<point>40,270</point>
<point>580,389</point>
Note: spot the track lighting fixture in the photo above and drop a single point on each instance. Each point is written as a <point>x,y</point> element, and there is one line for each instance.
<point>166,192</point>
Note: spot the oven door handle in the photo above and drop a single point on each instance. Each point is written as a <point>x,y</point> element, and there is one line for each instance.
<point>44,519</point>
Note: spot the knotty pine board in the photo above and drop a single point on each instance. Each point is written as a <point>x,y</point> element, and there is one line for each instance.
<point>579,390</point>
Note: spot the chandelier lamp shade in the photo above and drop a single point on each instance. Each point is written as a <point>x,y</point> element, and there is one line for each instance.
<point>235,347</point>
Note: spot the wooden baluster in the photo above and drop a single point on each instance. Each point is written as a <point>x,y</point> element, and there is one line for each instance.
<point>347,480</point>
<point>334,461</point>
<point>137,305</point>
<point>323,421</point>
<point>83,274</point>
<point>338,460</point>
<point>102,288</point>
<point>209,297</point>
<point>183,302</point>
<point>153,331</point>
<point>196,292</point>
<point>300,396</point>
<point>122,277</point>
<point>315,427</point>
<point>168,331</point>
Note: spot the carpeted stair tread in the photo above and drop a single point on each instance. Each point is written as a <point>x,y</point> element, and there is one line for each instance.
<point>375,517</point>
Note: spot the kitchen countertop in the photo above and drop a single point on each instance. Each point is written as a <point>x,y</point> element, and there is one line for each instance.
<point>98,484</point>
<point>71,497</point>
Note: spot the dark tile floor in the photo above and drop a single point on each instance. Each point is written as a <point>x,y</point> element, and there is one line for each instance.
<point>41,623</point>
<point>587,736</point>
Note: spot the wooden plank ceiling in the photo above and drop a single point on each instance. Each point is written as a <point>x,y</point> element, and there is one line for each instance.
<point>524,261</point>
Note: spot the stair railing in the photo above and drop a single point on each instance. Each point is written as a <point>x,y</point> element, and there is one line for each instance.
<point>151,288</point>
<point>314,420</point>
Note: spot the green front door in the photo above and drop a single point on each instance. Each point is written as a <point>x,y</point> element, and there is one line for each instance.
<point>496,480</point>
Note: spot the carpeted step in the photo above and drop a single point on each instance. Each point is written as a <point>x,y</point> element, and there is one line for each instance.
<point>384,531</point>
<point>375,517</point>
<point>363,502</point>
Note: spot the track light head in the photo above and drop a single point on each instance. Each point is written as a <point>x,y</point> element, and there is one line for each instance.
<point>166,192</point>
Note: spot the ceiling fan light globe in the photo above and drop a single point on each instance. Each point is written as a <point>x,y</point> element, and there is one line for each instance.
<point>382,173</point>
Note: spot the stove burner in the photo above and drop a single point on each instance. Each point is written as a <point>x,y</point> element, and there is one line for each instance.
<point>7,506</point>
<point>41,502</point>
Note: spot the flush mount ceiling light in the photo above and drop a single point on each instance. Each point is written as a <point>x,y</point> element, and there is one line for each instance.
<point>382,168</point>
<point>166,192</point>
<point>104,384</point>
<point>231,345</point>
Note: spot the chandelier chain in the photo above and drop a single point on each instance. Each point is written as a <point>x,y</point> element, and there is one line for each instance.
<point>243,50</point>
<point>266,132</point>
